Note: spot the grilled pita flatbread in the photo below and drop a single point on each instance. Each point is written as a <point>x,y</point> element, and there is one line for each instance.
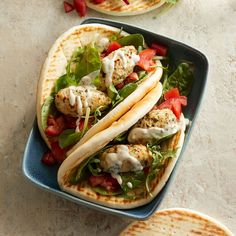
<point>101,139</point>
<point>55,66</point>
<point>119,8</point>
<point>177,222</point>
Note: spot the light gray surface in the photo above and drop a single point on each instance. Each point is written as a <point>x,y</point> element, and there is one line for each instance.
<point>206,177</point>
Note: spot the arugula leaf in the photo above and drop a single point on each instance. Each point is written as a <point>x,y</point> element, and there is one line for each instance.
<point>65,81</point>
<point>87,62</point>
<point>114,95</point>
<point>93,167</point>
<point>46,108</point>
<point>159,158</point>
<point>182,78</point>
<point>136,178</point>
<point>68,137</point>
<point>104,192</point>
<point>121,137</point>
<point>116,36</point>
<point>133,39</point>
<point>127,90</point>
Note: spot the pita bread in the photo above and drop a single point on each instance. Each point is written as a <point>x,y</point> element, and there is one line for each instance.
<point>57,60</point>
<point>101,139</point>
<point>119,8</point>
<point>178,222</point>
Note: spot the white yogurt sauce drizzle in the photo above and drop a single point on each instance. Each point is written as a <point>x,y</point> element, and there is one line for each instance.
<point>130,185</point>
<point>115,161</point>
<point>143,135</point>
<point>103,42</point>
<point>108,65</point>
<point>72,96</point>
<point>79,105</point>
<point>135,58</point>
<point>117,177</point>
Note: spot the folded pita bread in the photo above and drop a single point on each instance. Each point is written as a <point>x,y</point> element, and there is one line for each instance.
<point>119,8</point>
<point>101,139</point>
<point>178,222</point>
<point>55,66</point>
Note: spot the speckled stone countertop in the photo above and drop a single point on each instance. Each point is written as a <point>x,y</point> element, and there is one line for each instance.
<point>206,177</point>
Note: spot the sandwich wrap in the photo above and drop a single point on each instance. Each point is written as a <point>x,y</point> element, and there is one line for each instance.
<point>93,37</point>
<point>73,166</point>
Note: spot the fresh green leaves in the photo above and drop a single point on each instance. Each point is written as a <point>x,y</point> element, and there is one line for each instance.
<point>113,93</point>
<point>104,192</point>
<point>182,78</point>
<point>121,138</point>
<point>93,166</point>
<point>68,137</point>
<point>65,81</point>
<point>87,62</point>
<point>133,39</point>
<point>159,158</point>
<point>46,108</point>
<point>127,90</point>
<point>84,61</point>
<point>116,96</point>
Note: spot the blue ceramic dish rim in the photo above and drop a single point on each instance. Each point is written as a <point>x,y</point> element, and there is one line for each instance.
<point>123,212</point>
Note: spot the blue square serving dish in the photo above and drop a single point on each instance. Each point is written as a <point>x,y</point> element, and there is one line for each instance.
<point>46,177</point>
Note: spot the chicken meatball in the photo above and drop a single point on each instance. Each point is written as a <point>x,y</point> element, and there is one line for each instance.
<point>125,158</point>
<point>73,100</point>
<point>119,64</point>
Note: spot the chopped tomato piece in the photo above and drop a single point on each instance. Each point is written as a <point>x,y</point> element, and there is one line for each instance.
<point>126,2</point>
<point>81,123</point>
<point>48,159</point>
<point>176,108</point>
<point>120,85</point>
<point>131,78</point>
<point>68,7</point>
<point>98,1</point>
<point>70,122</point>
<point>105,181</point>
<point>58,153</point>
<point>113,46</point>
<point>80,7</point>
<point>146,59</point>
<point>96,180</point>
<point>173,93</point>
<point>146,169</point>
<point>55,126</point>
<point>174,104</point>
<point>161,50</point>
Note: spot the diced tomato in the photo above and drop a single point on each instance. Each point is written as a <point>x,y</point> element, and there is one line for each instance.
<point>176,108</point>
<point>146,170</point>
<point>48,159</point>
<point>70,122</point>
<point>80,7</point>
<point>131,78</point>
<point>96,180</point>
<point>105,181</point>
<point>98,1</point>
<point>113,46</point>
<point>55,126</point>
<point>126,2</point>
<point>161,50</point>
<point>68,7</point>
<point>146,59</point>
<point>81,123</point>
<point>120,85</point>
<point>173,93</point>
<point>58,153</point>
<point>174,104</point>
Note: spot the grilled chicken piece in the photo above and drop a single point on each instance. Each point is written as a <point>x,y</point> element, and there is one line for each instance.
<point>156,125</point>
<point>157,118</point>
<point>119,64</point>
<point>74,101</point>
<point>125,158</point>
